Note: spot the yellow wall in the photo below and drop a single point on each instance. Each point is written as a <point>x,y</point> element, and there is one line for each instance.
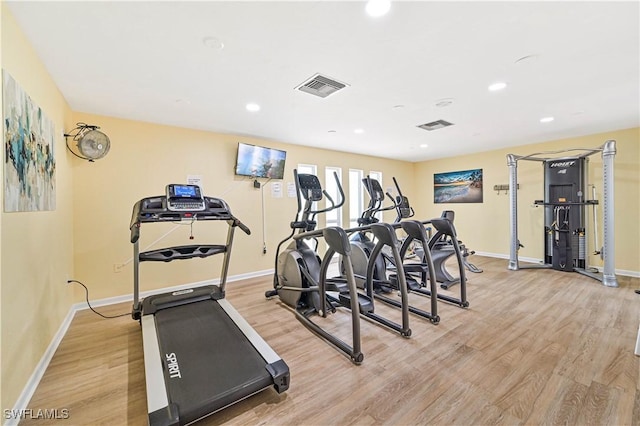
<point>143,159</point>
<point>485,227</point>
<point>36,247</point>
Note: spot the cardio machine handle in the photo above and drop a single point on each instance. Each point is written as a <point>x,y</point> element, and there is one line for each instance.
<point>395,203</point>
<point>333,206</point>
<point>395,182</point>
<point>135,232</point>
<point>236,222</point>
<point>134,226</point>
<point>391,207</point>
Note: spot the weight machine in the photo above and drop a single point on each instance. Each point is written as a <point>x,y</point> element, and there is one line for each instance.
<point>565,183</point>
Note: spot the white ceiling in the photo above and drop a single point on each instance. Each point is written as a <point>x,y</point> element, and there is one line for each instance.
<point>149,61</point>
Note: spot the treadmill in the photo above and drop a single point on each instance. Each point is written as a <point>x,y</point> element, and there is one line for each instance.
<point>200,355</point>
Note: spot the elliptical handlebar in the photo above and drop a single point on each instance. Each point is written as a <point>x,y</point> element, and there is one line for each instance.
<point>401,203</point>
<point>295,179</point>
<point>333,206</point>
<point>391,207</point>
<point>375,202</point>
<point>397,205</point>
<point>395,182</point>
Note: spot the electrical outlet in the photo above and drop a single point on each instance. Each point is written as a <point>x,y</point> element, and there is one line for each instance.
<point>117,267</point>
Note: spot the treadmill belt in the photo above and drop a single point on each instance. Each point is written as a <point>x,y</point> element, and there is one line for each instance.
<point>214,365</point>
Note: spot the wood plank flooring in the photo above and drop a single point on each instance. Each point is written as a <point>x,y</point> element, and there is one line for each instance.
<point>534,347</point>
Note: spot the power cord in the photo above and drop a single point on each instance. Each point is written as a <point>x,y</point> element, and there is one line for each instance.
<point>86,292</point>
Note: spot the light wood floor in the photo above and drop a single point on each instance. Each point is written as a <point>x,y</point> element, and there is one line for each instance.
<point>535,347</point>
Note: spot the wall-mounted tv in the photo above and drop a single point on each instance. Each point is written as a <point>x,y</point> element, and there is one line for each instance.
<point>260,162</point>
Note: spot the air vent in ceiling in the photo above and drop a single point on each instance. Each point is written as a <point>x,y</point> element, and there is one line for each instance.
<point>321,85</point>
<point>435,125</point>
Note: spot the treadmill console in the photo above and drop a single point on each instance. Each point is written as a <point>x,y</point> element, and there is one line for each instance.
<point>184,198</point>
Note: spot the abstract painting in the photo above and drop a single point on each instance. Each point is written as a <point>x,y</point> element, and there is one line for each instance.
<point>29,139</point>
<point>458,187</point>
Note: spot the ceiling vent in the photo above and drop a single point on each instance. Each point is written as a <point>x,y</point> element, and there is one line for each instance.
<point>321,85</point>
<point>435,125</point>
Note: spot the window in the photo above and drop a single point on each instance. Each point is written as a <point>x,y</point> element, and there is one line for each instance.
<point>310,169</point>
<point>378,176</point>
<point>355,196</point>
<point>333,217</point>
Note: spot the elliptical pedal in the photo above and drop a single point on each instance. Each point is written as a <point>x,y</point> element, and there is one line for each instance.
<point>412,283</point>
<point>339,286</point>
<point>364,303</point>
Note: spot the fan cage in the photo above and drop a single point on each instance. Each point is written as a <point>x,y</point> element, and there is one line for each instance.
<point>79,133</point>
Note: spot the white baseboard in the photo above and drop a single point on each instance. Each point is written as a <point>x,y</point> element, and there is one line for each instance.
<point>129,297</point>
<point>38,372</point>
<point>506,256</point>
<point>622,272</point>
<point>32,384</point>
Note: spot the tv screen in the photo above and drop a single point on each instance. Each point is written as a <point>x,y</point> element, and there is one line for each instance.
<point>258,161</point>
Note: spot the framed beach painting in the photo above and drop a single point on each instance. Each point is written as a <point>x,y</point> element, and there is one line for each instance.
<point>458,187</point>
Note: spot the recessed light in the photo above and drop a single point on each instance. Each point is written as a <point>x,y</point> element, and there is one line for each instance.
<point>253,107</point>
<point>546,119</point>
<point>213,43</point>
<point>497,86</point>
<point>358,131</point>
<point>398,106</point>
<point>424,145</point>
<point>378,8</point>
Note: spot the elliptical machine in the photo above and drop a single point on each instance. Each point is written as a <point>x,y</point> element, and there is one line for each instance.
<point>421,277</point>
<point>442,248</point>
<point>378,263</point>
<point>362,245</point>
<point>300,278</point>
<point>417,273</point>
<point>440,244</point>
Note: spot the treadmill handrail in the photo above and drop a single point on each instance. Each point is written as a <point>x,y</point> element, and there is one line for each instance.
<point>154,209</point>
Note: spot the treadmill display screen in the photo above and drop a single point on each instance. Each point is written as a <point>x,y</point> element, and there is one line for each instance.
<point>184,198</point>
<point>183,191</point>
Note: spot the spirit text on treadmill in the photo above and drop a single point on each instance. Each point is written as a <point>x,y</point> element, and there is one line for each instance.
<point>174,368</point>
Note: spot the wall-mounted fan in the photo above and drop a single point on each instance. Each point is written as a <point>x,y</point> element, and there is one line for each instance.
<point>91,144</point>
